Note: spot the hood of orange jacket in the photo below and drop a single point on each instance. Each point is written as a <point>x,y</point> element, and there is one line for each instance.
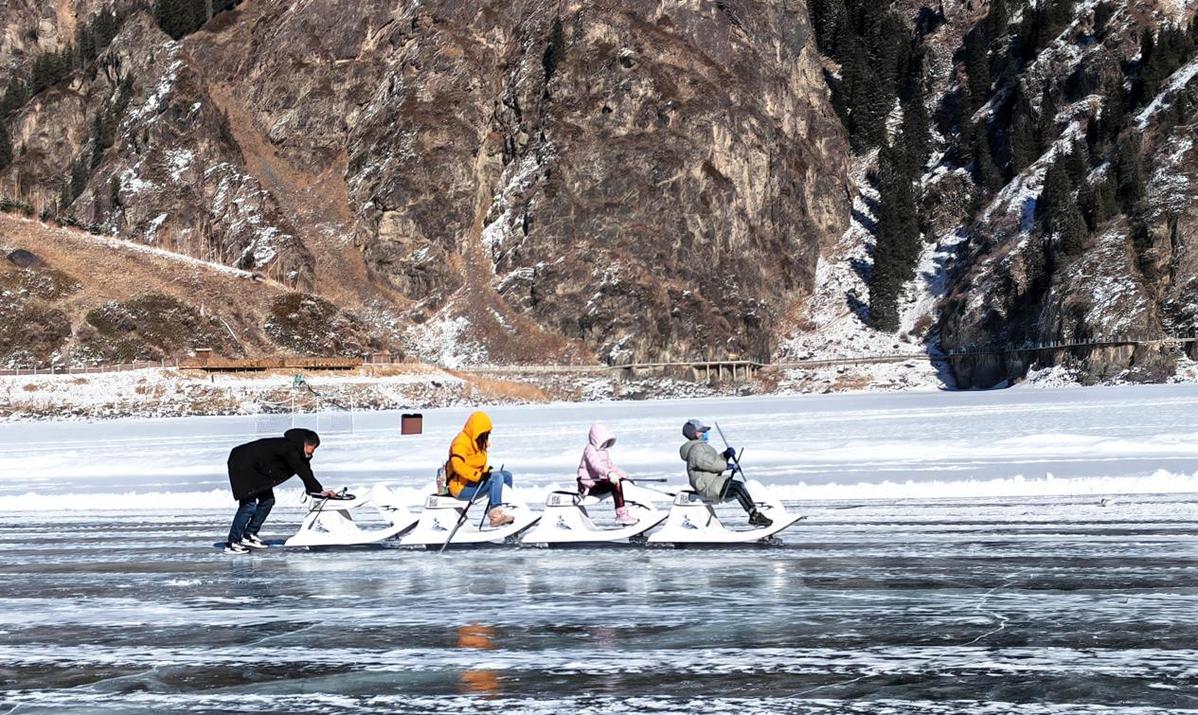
<point>467,460</point>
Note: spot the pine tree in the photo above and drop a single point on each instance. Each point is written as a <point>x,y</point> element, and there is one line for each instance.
<point>105,26</point>
<point>985,174</point>
<point>1057,188</point>
<point>64,198</point>
<point>898,240</point>
<point>553,52</point>
<point>5,149</point>
<point>39,75</point>
<point>1046,129</point>
<point>1098,202</point>
<point>1102,16</point>
<point>179,18</point>
<point>977,65</point>
<point>1183,108</point>
<point>85,46</point>
<point>1147,67</point>
<point>97,141</point>
<point>1114,112</point>
<point>1075,163</point>
<point>79,176</point>
<point>1024,147</point>
<point>889,53</point>
<point>915,137</point>
<point>1087,202</point>
<point>829,19</point>
<point>1129,171</point>
<point>1069,227</point>
<point>964,147</point>
<point>867,103</point>
<point>16,94</point>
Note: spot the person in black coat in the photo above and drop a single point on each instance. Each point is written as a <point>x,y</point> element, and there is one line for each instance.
<point>255,469</point>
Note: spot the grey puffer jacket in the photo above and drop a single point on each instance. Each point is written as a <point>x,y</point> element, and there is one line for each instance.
<point>705,468</point>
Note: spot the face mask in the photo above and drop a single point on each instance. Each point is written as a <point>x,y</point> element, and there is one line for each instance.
<point>702,436</point>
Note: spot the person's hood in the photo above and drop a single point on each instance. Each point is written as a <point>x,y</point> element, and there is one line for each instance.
<point>601,437</point>
<point>476,424</point>
<point>300,435</point>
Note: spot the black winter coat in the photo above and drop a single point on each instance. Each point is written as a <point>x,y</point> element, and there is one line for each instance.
<point>264,464</point>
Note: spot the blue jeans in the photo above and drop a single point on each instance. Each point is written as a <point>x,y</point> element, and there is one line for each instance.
<point>493,483</point>
<point>251,512</point>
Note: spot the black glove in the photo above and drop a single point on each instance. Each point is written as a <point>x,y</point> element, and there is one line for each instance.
<point>733,467</point>
<point>730,453</point>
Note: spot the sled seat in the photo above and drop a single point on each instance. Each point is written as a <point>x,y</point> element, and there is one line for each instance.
<point>563,497</point>
<point>687,495</point>
<point>438,501</point>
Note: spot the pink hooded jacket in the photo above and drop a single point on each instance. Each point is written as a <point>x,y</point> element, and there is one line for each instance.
<point>596,463</point>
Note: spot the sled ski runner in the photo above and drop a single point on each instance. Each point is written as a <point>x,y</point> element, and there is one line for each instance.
<point>567,521</point>
<point>692,520</point>
<point>330,523</point>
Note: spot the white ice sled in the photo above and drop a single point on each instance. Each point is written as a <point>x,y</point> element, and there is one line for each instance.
<point>441,514</point>
<point>566,520</point>
<point>692,520</point>
<point>329,523</point>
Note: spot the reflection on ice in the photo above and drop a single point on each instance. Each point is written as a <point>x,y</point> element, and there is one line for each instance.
<point>478,680</point>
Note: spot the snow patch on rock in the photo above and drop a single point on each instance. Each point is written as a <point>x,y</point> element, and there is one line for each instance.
<point>446,341</point>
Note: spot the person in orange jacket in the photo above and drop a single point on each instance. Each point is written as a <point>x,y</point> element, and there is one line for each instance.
<point>467,471</point>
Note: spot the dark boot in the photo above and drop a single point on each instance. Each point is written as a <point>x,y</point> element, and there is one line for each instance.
<point>756,518</point>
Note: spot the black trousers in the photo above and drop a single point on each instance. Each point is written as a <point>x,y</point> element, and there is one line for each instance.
<point>736,490</point>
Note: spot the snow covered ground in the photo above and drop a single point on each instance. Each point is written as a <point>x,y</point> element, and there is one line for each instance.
<point>1019,441</point>
<point>940,569</point>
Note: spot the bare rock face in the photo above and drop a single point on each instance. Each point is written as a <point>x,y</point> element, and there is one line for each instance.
<point>637,180</point>
<point>173,176</point>
<point>654,181</point>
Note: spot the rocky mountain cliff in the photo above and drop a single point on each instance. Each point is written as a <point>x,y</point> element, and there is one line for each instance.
<point>568,181</point>
<point>1085,236</point>
<point>535,180</point>
<point>1025,177</point>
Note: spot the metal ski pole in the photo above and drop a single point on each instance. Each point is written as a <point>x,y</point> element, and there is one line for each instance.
<point>735,457</point>
<point>478,495</point>
<point>482,519</point>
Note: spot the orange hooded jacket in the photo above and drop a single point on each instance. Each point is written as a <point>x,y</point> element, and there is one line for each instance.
<point>467,463</point>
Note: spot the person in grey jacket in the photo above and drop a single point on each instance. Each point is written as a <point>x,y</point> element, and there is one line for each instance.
<point>705,467</point>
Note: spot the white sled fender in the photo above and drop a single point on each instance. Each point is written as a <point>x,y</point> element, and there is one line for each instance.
<point>441,513</point>
<point>692,520</point>
<point>329,522</point>
<point>567,519</point>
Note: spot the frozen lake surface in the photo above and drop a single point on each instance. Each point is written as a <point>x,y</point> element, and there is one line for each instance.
<point>938,571</point>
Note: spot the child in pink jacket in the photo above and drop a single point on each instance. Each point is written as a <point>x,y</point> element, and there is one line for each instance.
<point>597,475</point>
